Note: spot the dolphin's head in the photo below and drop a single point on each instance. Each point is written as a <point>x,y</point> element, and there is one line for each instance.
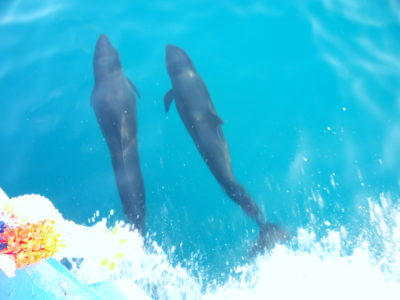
<point>177,60</point>
<point>106,58</point>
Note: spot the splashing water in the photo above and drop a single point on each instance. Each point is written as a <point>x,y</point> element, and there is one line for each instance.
<point>311,268</point>
<point>320,77</point>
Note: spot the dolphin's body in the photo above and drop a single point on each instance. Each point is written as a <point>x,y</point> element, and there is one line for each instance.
<point>197,111</point>
<point>113,101</point>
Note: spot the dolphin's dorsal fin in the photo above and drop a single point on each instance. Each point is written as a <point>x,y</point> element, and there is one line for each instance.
<point>217,119</point>
<point>214,114</point>
<point>168,98</point>
<point>134,88</point>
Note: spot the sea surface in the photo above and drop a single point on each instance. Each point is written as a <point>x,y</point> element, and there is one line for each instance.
<point>310,99</point>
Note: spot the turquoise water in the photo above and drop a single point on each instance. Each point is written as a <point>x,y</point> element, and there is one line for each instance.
<point>308,93</point>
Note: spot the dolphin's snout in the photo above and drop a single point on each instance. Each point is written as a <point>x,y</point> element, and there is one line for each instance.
<point>172,50</point>
<point>103,42</point>
<point>103,37</point>
<point>176,59</point>
<point>175,54</point>
<point>106,58</point>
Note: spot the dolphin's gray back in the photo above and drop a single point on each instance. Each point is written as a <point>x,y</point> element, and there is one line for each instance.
<point>192,96</point>
<point>204,125</point>
<point>114,103</point>
<point>198,113</point>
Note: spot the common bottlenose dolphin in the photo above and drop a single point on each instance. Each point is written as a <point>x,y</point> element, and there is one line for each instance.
<point>198,113</point>
<point>113,101</point>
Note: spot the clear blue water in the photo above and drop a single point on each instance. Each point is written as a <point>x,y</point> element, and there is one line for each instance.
<point>308,93</point>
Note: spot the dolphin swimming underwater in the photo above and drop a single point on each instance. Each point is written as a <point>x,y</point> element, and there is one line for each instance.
<point>113,101</point>
<point>198,113</point>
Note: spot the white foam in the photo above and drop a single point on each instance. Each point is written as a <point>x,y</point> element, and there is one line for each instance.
<point>34,208</point>
<point>288,274</point>
<point>318,269</point>
<point>7,265</point>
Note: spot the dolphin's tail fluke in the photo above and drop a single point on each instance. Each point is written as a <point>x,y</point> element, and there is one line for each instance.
<point>270,234</point>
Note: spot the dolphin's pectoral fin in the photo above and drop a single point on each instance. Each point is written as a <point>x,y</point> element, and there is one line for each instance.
<point>168,98</point>
<point>134,88</point>
<point>270,235</point>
